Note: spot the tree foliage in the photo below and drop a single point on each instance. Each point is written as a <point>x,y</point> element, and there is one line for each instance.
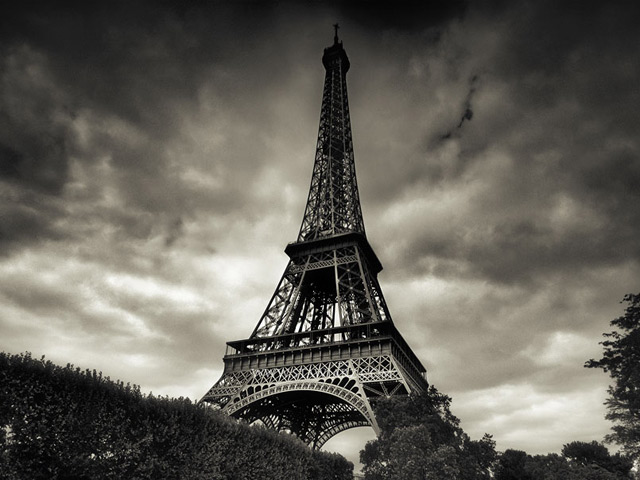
<point>594,454</point>
<point>420,439</point>
<point>621,359</point>
<point>579,461</point>
<point>65,423</point>
<point>512,465</point>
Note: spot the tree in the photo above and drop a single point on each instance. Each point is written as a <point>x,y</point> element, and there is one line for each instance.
<point>594,454</point>
<point>512,466</point>
<point>621,359</point>
<point>421,439</point>
<point>579,461</point>
<point>586,453</point>
<point>556,467</point>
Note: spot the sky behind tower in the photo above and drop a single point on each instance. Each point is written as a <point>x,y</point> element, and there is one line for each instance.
<point>155,160</point>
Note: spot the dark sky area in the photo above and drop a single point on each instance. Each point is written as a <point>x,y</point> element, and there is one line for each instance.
<point>155,159</point>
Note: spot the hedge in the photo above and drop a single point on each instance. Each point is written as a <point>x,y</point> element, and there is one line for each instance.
<point>72,424</point>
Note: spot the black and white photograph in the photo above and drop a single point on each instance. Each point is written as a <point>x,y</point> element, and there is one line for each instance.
<point>320,240</point>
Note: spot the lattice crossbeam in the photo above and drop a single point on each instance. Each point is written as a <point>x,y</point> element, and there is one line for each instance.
<point>363,371</point>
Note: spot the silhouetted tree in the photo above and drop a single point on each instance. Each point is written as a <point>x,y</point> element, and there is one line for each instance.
<point>621,359</point>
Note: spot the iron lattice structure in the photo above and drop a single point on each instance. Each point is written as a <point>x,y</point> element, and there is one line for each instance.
<point>326,344</point>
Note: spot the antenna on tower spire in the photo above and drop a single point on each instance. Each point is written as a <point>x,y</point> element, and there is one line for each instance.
<point>335,37</point>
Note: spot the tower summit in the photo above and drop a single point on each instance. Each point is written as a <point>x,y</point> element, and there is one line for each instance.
<point>325,345</point>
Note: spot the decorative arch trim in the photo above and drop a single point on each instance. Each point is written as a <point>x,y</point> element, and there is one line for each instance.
<point>342,393</point>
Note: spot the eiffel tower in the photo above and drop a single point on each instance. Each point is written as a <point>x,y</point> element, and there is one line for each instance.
<point>325,345</point>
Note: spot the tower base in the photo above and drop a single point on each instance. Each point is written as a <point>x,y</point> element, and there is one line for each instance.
<point>320,387</point>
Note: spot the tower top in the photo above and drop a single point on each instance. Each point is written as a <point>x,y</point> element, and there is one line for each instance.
<point>333,205</point>
<point>335,54</point>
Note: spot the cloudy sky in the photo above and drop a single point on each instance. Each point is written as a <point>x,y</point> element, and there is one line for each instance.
<point>155,161</point>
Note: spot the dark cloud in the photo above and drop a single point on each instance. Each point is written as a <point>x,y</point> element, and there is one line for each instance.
<point>402,15</point>
<point>33,123</point>
<point>27,218</point>
<point>562,197</point>
<point>174,231</point>
<point>11,162</point>
<point>110,89</point>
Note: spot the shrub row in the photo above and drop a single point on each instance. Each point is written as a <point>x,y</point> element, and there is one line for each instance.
<point>67,423</point>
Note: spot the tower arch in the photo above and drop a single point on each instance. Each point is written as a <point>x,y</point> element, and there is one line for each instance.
<point>327,409</point>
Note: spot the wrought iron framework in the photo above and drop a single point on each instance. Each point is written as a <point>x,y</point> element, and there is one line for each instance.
<point>326,344</point>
